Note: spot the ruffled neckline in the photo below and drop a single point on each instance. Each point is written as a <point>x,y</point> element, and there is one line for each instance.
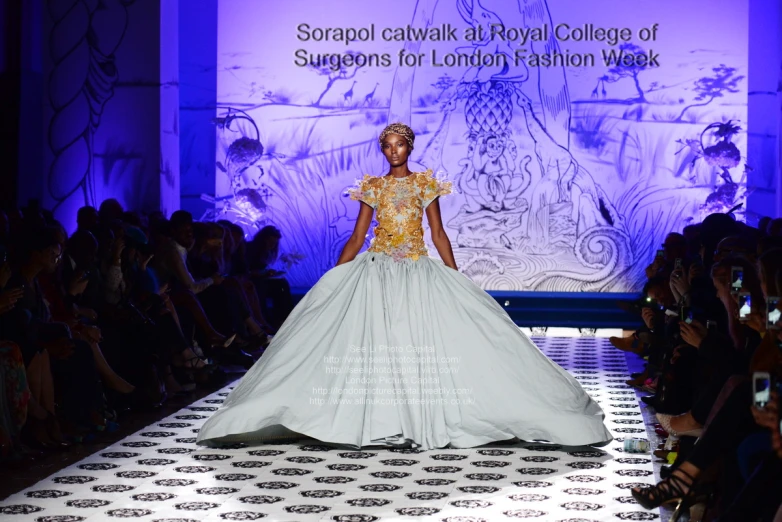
<point>411,175</point>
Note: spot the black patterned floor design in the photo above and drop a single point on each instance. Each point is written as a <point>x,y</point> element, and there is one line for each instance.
<point>159,474</point>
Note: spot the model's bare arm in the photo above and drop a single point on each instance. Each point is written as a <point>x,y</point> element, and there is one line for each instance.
<point>439,237</point>
<point>356,240</point>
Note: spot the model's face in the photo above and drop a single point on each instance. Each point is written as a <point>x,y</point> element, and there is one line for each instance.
<point>395,149</point>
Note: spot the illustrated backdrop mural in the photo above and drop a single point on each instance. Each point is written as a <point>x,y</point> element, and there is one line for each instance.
<point>110,107</point>
<point>569,175</point>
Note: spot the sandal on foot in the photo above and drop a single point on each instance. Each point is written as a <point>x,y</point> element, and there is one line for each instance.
<point>675,488</point>
<point>665,421</point>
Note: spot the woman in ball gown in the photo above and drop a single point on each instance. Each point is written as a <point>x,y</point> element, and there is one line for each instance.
<point>394,348</point>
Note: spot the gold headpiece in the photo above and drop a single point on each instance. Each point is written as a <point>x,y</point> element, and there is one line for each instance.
<point>401,129</point>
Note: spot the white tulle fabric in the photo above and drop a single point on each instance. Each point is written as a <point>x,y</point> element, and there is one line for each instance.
<point>385,352</point>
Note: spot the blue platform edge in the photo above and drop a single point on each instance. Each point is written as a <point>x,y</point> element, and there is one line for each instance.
<point>559,309</point>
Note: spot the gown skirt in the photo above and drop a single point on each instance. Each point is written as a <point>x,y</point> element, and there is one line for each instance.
<point>383,352</point>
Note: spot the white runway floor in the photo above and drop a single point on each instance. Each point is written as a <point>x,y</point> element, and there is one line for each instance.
<point>159,474</point>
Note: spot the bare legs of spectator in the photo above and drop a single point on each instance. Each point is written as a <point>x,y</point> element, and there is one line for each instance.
<point>41,422</point>
<point>684,423</point>
<point>172,385</point>
<point>190,302</point>
<point>189,360</point>
<point>172,310</point>
<point>731,423</point>
<point>673,490</point>
<point>257,323</point>
<point>39,375</point>
<point>275,297</point>
<point>108,375</point>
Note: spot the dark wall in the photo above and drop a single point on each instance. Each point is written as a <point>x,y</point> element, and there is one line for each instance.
<point>92,103</point>
<point>197,100</point>
<point>10,74</point>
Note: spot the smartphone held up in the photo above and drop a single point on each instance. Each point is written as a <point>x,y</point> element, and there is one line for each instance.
<point>736,279</point>
<point>761,389</point>
<point>686,314</point>
<point>678,264</point>
<point>773,314</point>
<point>745,306</point>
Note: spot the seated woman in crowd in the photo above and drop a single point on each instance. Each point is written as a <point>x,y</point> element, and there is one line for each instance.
<point>273,289</point>
<point>703,387</point>
<point>123,312</point>
<point>61,369</point>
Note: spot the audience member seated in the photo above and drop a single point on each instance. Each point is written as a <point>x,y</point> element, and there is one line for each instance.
<point>202,302</point>
<point>112,318</point>
<point>131,308</point>
<point>703,341</point>
<point>273,289</point>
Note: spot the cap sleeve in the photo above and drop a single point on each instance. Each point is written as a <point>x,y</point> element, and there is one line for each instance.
<point>364,190</point>
<point>433,188</point>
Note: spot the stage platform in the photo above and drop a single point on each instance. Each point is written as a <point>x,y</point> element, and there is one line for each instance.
<point>158,473</point>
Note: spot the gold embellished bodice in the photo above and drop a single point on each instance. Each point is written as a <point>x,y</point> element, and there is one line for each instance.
<point>399,204</point>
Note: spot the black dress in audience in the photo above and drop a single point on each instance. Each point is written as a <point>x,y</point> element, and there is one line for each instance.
<point>728,426</point>
<point>724,361</point>
<point>225,309</point>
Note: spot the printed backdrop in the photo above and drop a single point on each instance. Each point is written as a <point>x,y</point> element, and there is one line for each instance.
<point>568,176</point>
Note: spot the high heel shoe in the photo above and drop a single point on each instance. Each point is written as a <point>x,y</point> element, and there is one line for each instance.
<point>193,363</point>
<point>35,433</point>
<point>183,377</point>
<point>53,430</point>
<point>665,421</point>
<point>674,489</point>
<point>237,357</point>
<point>627,344</point>
<point>100,424</point>
<point>259,341</point>
<point>661,454</point>
<point>222,342</point>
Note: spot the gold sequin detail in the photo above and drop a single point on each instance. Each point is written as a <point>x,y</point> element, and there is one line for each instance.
<point>400,205</point>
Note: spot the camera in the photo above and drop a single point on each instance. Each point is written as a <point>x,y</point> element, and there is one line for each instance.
<point>773,315</point>
<point>736,279</point>
<point>761,389</point>
<point>644,302</point>
<point>745,306</point>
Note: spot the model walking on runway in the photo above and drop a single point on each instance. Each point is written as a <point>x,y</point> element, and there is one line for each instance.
<point>394,348</point>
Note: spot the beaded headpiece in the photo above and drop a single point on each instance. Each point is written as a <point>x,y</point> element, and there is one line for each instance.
<point>401,129</point>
